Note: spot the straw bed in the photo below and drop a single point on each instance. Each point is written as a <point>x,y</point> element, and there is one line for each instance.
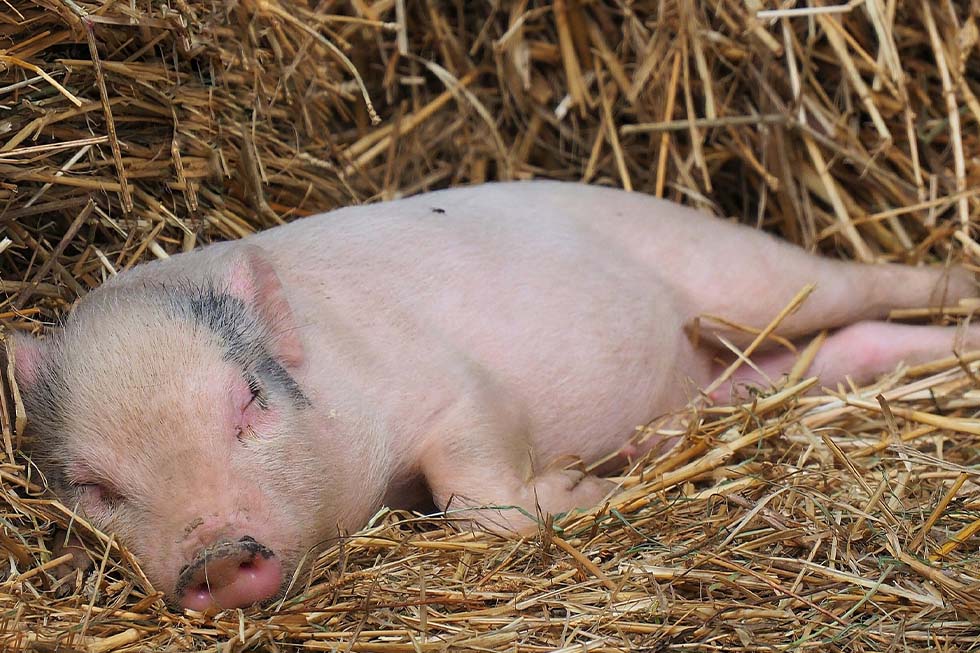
<point>843,519</point>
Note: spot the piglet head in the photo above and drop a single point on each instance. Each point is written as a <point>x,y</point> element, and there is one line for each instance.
<point>170,414</point>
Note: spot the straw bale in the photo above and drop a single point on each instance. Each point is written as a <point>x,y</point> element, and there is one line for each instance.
<point>843,519</point>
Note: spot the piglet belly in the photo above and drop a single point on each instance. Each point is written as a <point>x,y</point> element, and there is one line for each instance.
<point>589,368</point>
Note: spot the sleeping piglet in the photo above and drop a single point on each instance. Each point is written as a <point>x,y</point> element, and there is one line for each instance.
<point>226,410</point>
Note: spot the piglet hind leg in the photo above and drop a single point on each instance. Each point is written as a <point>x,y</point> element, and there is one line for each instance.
<point>864,351</point>
<point>747,277</point>
<point>844,292</point>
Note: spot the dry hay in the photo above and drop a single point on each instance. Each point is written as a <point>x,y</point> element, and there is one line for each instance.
<point>841,520</point>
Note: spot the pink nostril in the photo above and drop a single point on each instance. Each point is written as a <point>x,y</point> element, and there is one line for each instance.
<point>230,577</point>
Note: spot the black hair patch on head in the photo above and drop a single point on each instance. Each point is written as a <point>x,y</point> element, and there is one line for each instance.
<point>245,337</point>
<point>224,315</point>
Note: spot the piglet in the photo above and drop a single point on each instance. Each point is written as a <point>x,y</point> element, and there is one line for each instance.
<point>226,410</point>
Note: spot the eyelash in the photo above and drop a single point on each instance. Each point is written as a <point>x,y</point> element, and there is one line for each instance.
<point>256,390</point>
<point>244,432</point>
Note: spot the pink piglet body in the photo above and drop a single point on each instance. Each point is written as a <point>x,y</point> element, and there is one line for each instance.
<point>226,410</point>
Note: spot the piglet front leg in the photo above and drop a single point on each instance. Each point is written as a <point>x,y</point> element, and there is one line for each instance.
<point>495,494</point>
<point>480,466</point>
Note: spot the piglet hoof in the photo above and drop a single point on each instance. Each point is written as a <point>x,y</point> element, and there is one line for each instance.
<point>230,575</point>
<point>568,489</point>
<point>960,283</point>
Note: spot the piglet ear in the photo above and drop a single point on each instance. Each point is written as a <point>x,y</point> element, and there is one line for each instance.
<point>27,355</point>
<point>253,279</point>
<point>23,357</point>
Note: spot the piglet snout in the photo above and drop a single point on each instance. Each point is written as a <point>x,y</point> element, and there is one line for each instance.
<point>230,575</point>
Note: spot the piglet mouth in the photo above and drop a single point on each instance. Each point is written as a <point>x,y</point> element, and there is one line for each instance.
<point>230,575</point>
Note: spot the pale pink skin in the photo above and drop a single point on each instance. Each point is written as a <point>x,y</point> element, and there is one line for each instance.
<point>477,339</point>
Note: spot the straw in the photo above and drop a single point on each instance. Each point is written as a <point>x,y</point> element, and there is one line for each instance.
<point>795,518</point>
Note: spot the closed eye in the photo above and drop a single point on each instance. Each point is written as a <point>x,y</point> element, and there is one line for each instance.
<point>100,495</point>
<point>244,429</point>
